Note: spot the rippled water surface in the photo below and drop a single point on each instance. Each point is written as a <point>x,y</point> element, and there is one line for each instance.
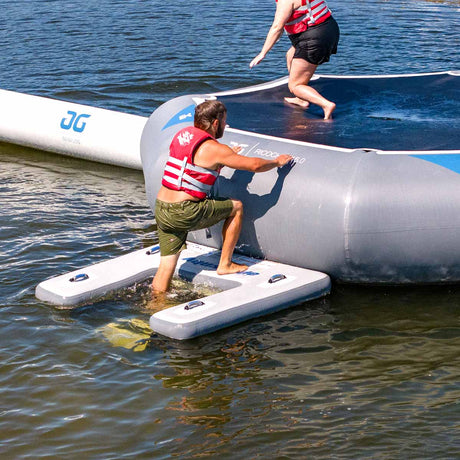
<point>363,373</point>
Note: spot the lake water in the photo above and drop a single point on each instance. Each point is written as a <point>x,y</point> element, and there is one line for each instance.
<point>362,373</point>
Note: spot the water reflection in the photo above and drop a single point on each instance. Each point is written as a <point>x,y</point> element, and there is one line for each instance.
<point>356,357</point>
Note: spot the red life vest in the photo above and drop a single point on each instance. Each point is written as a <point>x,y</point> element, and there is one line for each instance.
<point>310,13</point>
<point>180,171</point>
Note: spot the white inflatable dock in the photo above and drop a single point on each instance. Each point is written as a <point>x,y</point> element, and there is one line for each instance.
<point>264,288</point>
<point>75,130</point>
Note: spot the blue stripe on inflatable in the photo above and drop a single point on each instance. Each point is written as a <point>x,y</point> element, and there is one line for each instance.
<point>183,116</point>
<point>449,161</point>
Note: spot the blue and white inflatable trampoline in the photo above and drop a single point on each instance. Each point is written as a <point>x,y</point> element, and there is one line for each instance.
<point>374,194</point>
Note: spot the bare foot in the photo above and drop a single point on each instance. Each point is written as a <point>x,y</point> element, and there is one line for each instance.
<point>232,268</point>
<point>297,101</point>
<point>328,111</point>
<point>157,302</point>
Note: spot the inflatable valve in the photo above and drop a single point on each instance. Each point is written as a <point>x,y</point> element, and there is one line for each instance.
<point>79,277</point>
<point>275,278</point>
<point>154,250</point>
<point>193,304</point>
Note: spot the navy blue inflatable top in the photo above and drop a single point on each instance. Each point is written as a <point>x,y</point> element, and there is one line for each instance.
<point>386,113</point>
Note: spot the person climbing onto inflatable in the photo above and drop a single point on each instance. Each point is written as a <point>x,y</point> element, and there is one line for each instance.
<point>314,35</point>
<point>182,204</point>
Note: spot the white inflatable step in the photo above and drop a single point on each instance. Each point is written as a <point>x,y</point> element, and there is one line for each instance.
<point>89,283</point>
<point>264,288</point>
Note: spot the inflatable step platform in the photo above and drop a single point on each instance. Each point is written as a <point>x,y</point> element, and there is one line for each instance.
<point>265,287</point>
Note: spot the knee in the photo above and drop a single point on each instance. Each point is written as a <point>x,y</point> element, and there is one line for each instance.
<point>237,207</point>
<point>292,86</point>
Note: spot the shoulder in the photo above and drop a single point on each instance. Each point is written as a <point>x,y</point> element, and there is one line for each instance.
<point>288,3</point>
<point>210,146</point>
<point>212,154</point>
<point>285,7</point>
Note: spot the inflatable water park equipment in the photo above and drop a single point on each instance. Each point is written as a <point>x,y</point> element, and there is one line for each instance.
<point>76,130</point>
<point>372,196</point>
<point>264,288</point>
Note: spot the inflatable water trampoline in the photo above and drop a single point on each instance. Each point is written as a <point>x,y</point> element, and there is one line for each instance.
<point>372,197</point>
<point>374,194</point>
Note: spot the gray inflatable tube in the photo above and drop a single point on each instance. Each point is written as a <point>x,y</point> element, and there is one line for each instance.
<point>373,195</point>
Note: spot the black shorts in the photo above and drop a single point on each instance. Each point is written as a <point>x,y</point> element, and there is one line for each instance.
<point>317,43</point>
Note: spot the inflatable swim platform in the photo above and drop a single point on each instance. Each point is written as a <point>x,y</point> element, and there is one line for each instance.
<point>264,288</point>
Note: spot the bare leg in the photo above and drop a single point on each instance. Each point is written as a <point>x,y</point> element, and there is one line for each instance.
<point>158,302</point>
<point>299,77</point>
<point>293,100</point>
<point>230,233</point>
<point>289,57</point>
<point>164,274</point>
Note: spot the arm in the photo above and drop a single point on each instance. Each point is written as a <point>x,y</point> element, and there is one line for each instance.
<point>284,10</point>
<point>213,155</point>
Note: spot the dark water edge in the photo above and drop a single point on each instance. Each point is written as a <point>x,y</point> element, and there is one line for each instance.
<point>367,372</point>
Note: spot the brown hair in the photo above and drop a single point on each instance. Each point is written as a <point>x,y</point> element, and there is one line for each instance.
<point>207,112</point>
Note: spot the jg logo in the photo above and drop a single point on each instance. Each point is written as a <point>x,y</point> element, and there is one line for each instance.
<point>74,122</point>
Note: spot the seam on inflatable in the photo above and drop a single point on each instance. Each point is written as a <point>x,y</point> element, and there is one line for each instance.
<point>346,213</point>
<point>289,141</point>
<point>284,80</point>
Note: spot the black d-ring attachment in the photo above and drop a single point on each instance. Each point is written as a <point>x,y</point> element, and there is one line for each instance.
<point>275,278</point>
<point>193,304</point>
<point>79,277</point>
<point>154,250</point>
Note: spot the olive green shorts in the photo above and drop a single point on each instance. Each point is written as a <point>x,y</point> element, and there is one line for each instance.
<point>175,220</point>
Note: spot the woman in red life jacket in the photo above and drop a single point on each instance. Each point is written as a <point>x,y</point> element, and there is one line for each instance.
<point>314,35</point>
<point>182,204</point>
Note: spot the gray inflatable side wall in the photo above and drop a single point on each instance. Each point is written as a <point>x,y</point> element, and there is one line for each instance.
<point>359,216</point>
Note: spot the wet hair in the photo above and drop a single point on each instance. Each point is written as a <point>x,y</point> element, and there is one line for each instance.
<point>207,112</point>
